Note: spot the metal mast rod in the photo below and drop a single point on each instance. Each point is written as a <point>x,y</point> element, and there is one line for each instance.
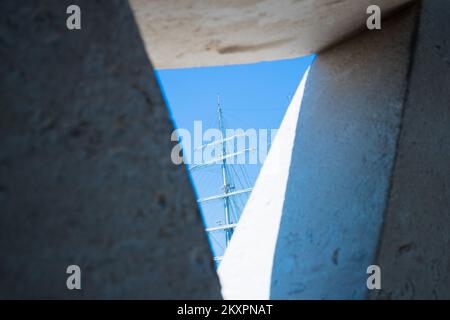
<point>221,196</point>
<point>224,174</point>
<point>220,159</point>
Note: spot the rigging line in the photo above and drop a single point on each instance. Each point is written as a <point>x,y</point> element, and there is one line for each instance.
<point>243,177</point>
<point>231,179</point>
<point>240,182</point>
<point>236,182</point>
<point>217,241</point>
<point>242,186</point>
<point>244,202</point>
<point>246,177</point>
<point>232,187</point>
<point>236,208</point>
<point>209,168</point>
<point>201,180</point>
<point>234,212</point>
<point>211,178</point>
<point>241,200</point>
<point>240,205</point>
<point>244,199</point>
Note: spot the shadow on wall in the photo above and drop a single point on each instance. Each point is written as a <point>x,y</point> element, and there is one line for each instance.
<point>342,165</point>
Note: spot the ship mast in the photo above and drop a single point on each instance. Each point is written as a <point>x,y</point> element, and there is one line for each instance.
<point>227,179</point>
<point>226,186</point>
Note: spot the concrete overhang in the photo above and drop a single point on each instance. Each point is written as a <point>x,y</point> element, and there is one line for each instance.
<point>193,33</point>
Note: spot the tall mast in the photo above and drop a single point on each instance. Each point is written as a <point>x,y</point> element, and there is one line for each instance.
<point>227,179</point>
<point>226,190</point>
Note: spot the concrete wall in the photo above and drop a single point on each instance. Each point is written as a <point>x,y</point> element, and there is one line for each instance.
<point>86,176</point>
<point>414,254</point>
<point>85,170</point>
<point>339,173</point>
<point>369,175</point>
<point>192,33</point>
<point>342,165</point>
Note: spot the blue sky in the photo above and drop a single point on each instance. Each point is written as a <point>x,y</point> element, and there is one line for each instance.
<point>252,96</point>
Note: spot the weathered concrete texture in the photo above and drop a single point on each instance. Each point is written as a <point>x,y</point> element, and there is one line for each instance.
<point>85,170</point>
<point>414,255</point>
<point>340,169</point>
<point>341,165</point>
<point>193,33</point>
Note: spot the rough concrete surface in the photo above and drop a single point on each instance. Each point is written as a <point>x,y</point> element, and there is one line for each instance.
<point>342,164</point>
<point>414,254</point>
<point>85,170</point>
<point>339,172</point>
<point>192,33</point>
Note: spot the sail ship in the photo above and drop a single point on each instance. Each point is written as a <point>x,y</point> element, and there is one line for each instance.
<point>235,187</point>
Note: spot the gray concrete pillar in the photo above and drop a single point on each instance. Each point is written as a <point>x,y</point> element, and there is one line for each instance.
<point>368,177</point>
<point>414,253</point>
<point>85,171</point>
<point>342,164</point>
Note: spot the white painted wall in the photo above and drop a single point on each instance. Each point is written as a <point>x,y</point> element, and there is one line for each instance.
<point>246,269</point>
